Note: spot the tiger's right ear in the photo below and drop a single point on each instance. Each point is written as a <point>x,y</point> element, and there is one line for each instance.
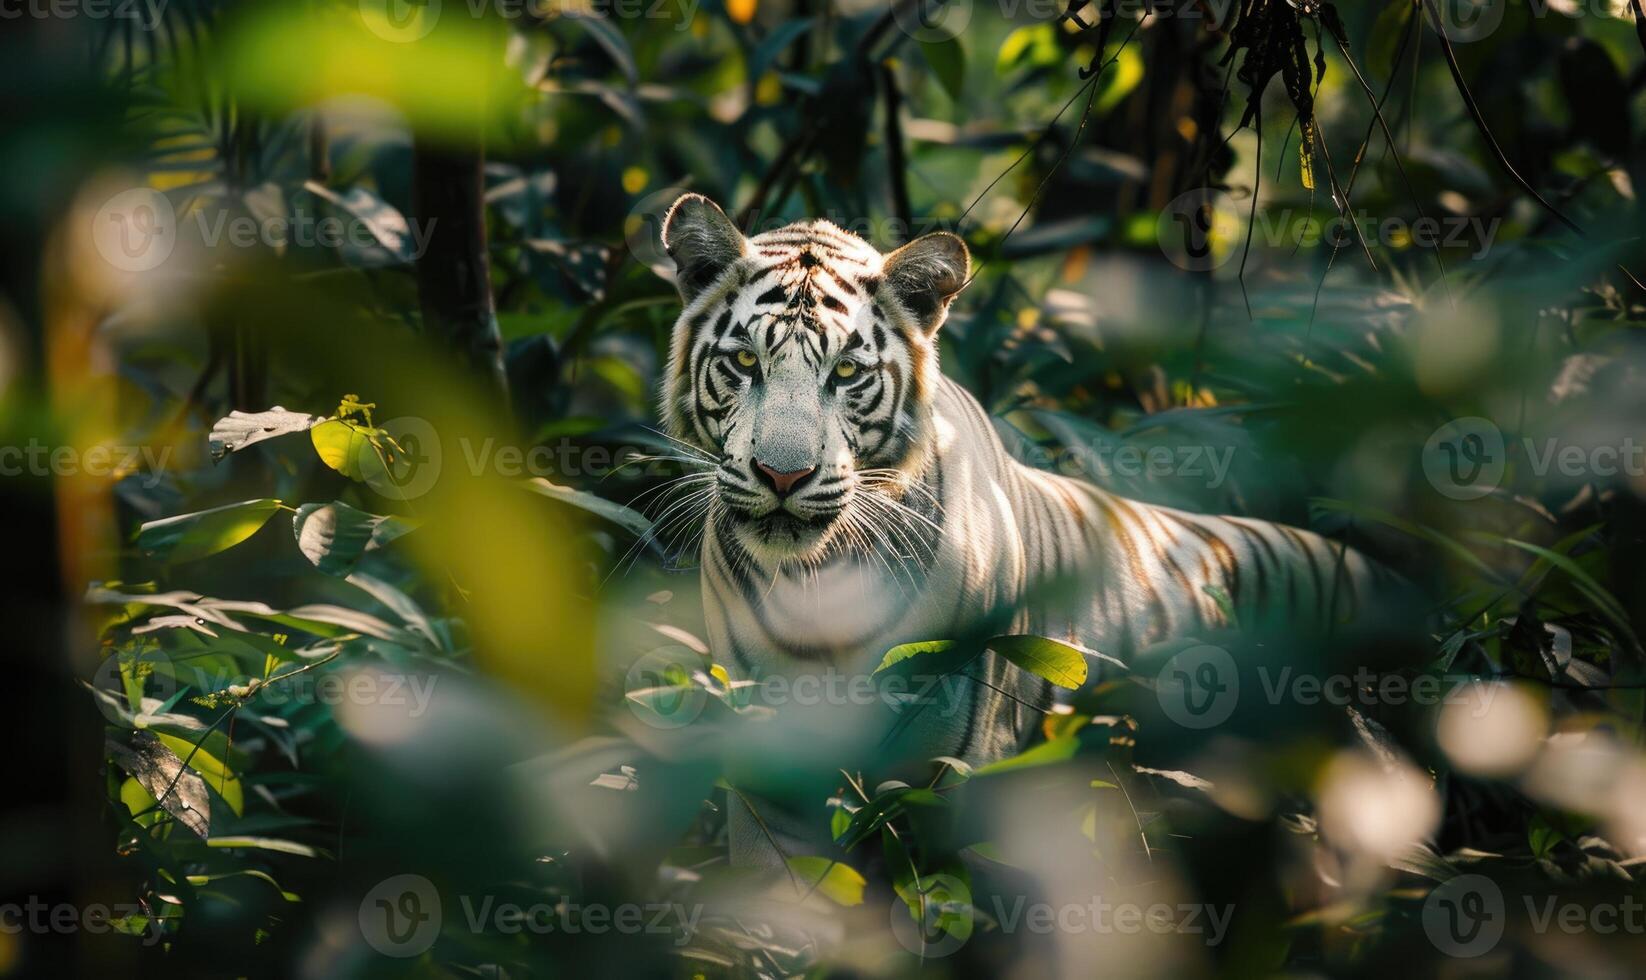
<point>702,241</point>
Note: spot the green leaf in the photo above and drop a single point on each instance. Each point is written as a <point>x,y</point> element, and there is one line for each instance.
<point>1122,77</point>
<point>269,844</point>
<point>904,651</point>
<point>775,43</point>
<point>385,223</point>
<point>187,537</point>
<point>1036,44</point>
<point>1384,40</point>
<point>869,818</point>
<point>333,536</point>
<point>1058,662</point>
<point>839,883</point>
<point>351,449</point>
<point>626,517</point>
<point>839,820</point>
<point>944,899</point>
<point>1591,589</point>
<point>948,61</point>
<point>1045,754</point>
<point>1416,530</point>
<point>612,40</point>
<point>203,758</point>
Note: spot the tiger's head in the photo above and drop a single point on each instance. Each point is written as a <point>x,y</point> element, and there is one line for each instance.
<point>805,363</point>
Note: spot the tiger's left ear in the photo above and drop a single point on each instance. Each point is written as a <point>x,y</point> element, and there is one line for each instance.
<point>702,241</point>
<point>926,274</point>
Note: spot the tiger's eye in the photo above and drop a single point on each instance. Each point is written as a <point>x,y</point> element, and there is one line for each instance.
<point>845,369</point>
<point>746,358</point>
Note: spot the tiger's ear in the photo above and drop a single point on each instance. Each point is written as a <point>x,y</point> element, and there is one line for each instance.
<point>926,274</point>
<point>702,241</point>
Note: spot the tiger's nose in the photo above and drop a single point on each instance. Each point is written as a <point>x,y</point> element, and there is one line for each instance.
<point>782,483</point>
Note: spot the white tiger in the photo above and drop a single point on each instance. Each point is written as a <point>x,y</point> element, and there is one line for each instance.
<point>863,500</point>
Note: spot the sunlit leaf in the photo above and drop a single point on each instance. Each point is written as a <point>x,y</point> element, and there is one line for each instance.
<point>839,883</point>
<point>628,518</point>
<point>904,651</point>
<point>187,537</point>
<point>1045,754</point>
<point>1061,663</point>
<point>238,430</point>
<point>333,536</point>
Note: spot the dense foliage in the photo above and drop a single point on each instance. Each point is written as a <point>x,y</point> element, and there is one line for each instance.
<point>384,592</point>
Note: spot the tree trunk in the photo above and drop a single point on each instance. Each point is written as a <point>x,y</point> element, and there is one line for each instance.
<point>453,273</point>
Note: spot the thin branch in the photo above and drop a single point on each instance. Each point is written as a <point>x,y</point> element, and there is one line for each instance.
<point>1389,136</point>
<point>1480,121</point>
<point>897,170</point>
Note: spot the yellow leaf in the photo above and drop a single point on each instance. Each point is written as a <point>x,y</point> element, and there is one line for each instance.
<point>840,883</point>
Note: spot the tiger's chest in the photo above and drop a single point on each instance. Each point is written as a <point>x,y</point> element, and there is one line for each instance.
<point>846,614</point>
<point>840,615</point>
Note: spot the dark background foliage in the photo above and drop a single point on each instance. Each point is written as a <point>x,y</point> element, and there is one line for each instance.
<point>1302,239</point>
